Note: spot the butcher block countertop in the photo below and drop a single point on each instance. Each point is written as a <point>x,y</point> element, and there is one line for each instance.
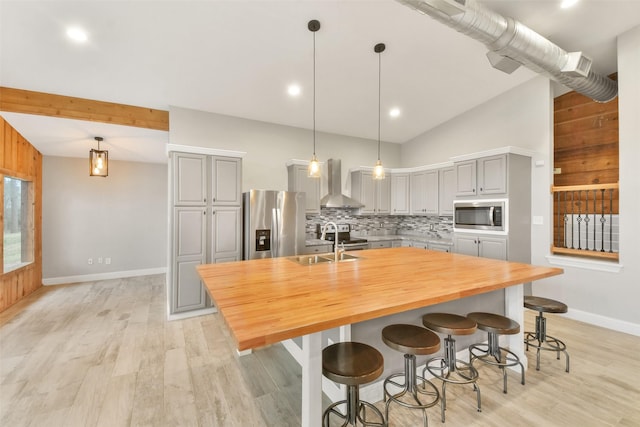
<point>270,300</point>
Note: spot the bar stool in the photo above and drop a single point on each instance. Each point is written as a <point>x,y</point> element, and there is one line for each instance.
<point>352,363</point>
<point>412,340</point>
<point>447,368</point>
<point>491,353</point>
<point>539,339</point>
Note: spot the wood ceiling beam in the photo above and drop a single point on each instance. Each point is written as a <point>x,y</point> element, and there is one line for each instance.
<point>45,104</point>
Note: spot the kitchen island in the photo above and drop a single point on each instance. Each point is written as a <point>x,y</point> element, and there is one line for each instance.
<point>270,300</point>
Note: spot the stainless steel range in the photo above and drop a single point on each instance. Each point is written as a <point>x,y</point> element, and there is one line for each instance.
<point>344,238</point>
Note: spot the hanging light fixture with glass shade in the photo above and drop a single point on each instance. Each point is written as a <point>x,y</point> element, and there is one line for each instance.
<point>98,160</point>
<point>378,169</point>
<point>314,165</point>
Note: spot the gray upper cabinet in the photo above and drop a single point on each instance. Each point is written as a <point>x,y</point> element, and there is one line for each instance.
<point>424,193</point>
<point>447,191</point>
<point>225,181</point>
<point>189,185</point>
<point>400,193</point>
<point>374,194</point>
<point>487,175</point>
<point>300,181</point>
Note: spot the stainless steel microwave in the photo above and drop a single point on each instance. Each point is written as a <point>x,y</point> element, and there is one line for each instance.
<point>479,214</point>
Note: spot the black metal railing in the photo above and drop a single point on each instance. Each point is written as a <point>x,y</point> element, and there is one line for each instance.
<point>586,220</point>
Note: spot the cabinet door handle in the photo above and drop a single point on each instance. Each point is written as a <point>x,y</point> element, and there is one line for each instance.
<point>473,190</point>
<point>205,200</point>
<point>480,188</point>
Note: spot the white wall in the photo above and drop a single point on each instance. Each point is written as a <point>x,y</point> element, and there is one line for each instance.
<point>269,146</point>
<point>123,216</point>
<point>524,117</point>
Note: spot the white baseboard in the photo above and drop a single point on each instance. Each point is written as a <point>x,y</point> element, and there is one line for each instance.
<point>189,314</point>
<point>605,322</point>
<point>102,276</point>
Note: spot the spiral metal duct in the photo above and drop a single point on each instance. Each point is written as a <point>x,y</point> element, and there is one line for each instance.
<point>512,44</point>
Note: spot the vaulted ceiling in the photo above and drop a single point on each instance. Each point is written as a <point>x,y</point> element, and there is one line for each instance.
<point>238,57</point>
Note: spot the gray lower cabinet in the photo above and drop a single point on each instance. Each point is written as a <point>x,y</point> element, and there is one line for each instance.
<point>318,249</point>
<point>206,223</point>
<point>380,245</point>
<point>224,239</point>
<point>438,247</point>
<point>481,245</point>
<point>189,238</point>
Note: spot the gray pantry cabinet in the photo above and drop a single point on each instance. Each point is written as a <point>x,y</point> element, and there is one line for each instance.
<point>206,222</point>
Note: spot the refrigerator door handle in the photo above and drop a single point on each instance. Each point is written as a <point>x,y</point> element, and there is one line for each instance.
<point>275,232</point>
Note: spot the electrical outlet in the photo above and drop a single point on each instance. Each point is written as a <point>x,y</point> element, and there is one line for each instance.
<point>107,260</point>
<point>557,171</point>
<point>100,260</point>
<point>90,261</point>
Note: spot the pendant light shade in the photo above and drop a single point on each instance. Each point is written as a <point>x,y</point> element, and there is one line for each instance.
<point>314,165</point>
<point>378,169</point>
<point>98,161</point>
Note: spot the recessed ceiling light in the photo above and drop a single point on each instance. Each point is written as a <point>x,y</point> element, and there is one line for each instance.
<point>294,90</point>
<point>568,3</point>
<point>77,34</point>
<point>394,112</point>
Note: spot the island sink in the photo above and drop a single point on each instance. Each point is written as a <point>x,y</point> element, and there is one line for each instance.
<point>322,258</point>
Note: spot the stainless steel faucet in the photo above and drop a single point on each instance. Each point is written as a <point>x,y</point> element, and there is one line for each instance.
<point>336,249</point>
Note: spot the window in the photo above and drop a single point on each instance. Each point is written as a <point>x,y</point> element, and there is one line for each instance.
<point>18,224</point>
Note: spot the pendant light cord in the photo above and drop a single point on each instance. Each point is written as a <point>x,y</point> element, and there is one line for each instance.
<point>379,97</point>
<point>314,93</point>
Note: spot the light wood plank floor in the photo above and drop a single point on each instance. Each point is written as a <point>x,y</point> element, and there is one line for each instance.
<point>102,354</point>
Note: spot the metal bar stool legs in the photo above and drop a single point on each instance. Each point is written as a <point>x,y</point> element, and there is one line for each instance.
<point>447,368</point>
<point>352,364</point>
<point>415,392</point>
<point>491,353</point>
<point>539,339</point>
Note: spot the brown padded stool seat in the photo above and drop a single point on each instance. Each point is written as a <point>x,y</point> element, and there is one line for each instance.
<point>450,324</point>
<point>352,363</point>
<point>448,368</point>
<point>491,353</point>
<point>495,323</point>
<point>411,339</point>
<point>414,392</point>
<point>539,338</point>
<point>544,305</point>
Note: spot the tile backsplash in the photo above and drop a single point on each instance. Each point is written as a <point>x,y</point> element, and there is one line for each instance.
<point>381,224</point>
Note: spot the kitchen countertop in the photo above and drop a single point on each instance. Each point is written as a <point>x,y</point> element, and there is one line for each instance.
<point>318,242</point>
<point>270,300</point>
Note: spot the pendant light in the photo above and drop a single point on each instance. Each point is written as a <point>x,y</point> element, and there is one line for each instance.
<point>378,169</point>
<point>98,161</point>
<point>314,165</point>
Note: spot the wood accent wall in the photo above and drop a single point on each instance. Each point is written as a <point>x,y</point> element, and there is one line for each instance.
<point>46,104</point>
<point>585,140</point>
<point>19,159</point>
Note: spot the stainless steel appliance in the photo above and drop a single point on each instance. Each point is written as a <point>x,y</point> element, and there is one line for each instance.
<point>274,223</point>
<point>343,237</point>
<point>480,214</point>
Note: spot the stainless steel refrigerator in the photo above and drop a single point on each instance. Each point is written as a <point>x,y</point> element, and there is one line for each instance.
<point>274,223</point>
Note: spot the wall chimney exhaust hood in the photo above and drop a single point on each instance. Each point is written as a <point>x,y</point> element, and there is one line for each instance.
<point>335,198</point>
